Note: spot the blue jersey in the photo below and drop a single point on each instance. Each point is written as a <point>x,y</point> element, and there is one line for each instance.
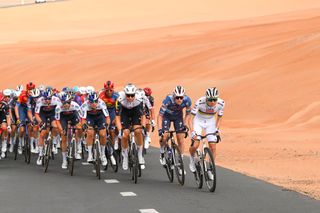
<point>170,108</point>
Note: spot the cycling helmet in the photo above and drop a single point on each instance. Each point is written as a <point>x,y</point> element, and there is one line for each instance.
<point>35,93</point>
<point>75,89</point>
<point>147,91</point>
<point>109,85</point>
<point>65,97</point>
<point>179,91</point>
<point>30,86</point>
<point>130,89</point>
<point>140,92</point>
<point>41,87</point>
<point>65,89</point>
<point>212,93</point>
<point>83,90</point>
<point>7,92</point>
<point>90,89</point>
<point>93,97</point>
<point>19,88</point>
<point>47,94</point>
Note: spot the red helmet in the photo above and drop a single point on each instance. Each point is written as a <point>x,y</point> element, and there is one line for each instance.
<point>30,86</point>
<point>1,97</point>
<point>147,91</point>
<point>109,85</point>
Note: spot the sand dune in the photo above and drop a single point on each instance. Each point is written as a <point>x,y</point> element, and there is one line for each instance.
<point>267,69</point>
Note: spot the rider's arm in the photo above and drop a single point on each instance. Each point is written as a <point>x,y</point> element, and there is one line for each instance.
<point>16,110</point>
<point>118,112</point>
<point>30,115</point>
<point>160,121</point>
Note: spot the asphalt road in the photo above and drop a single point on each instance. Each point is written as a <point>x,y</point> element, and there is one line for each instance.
<point>25,188</point>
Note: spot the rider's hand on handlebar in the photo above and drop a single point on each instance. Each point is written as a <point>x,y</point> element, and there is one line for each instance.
<point>160,132</point>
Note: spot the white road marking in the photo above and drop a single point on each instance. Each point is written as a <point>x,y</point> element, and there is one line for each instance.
<point>111,181</point>
<point>128,194</point>
<point>94,171</point>
<point>85,163</point>
<point>148,211</point>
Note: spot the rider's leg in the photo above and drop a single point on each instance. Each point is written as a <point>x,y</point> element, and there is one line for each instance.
<point>4,139</point>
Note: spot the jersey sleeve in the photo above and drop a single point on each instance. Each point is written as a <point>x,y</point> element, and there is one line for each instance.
<point>221,105</point>
<point>83,109</point>
<point>103,108</point>
<point>147,102</point>
<point>195,107</point>
<point>57,113</point>
<point>165,104</point>
<point>38,106</point>
<point>188,105</point>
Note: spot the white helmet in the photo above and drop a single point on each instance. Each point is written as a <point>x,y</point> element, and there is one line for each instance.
<point>7,92</point>
<point>90,89</point>
<point>130,89</point>
<point>35,93</point>
<point>20,88</point>
<point>65,96</point>
<point>13,93</point>
<point>212,92</point>
<point>83,90</point>
<point>140,92</point>
<point>41,87</point>
<point>179,91</point>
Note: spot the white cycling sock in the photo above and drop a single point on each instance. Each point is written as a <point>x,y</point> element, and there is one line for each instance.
<point>40,150</point>
<point>90,150</point>
<point>140,149</point>
<point>103,150</point>
<point>161,149</point>
<point>64,156</point>
<point>125,152</point>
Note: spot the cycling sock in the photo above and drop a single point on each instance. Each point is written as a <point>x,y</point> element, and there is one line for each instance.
<point>103,148</point>
<point>40,150</point>
<point>64,156</point>
<point>90,150</point>
<point>161,149</point>
<point>125,152</point>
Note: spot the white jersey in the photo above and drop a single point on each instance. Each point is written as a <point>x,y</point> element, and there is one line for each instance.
<point>146,102</point>
<point>73,107</point>
<point>202,109</point>
<point>41,104</point>
<point>87,109</point>
<point>122,100</point>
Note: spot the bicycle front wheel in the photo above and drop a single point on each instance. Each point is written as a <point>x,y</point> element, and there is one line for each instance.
<point>97,161</point>
<point>178,164</point>
<point>135,163</point>
<point>27,151</point>
<point>209,168</point>
<point>48,152</point>
<point>72,153</point>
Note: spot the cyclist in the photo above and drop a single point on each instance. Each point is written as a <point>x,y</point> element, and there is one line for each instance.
<point>45,109</point>
<point>32,100</point>
<point>150,123</point>
<point>204,118</point>
<point>21,110</point>
<point>5,124</point>
<point>13,118</point>
<point>109,96</point>
<point>94,113</point>
<point>129,112</point>
<point>69,111</point>
<point>172,111</point>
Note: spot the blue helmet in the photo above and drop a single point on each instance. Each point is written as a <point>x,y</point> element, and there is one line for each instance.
<point>47,93</point>
<point>75,89</point>
<point>93,97</point>
<point>65,89</point>
<point>65,97</point>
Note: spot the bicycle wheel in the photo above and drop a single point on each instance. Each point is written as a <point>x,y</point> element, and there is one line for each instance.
<point>179,167</point>
<point>72,152</point>
<point>15,148</point>
<point>135,163</point>
<point>168,166</point>
<point>27,151</point>
<point>209,167</point>
<point>198,175</point>
<point>48,152</point>
<point>97,161</point>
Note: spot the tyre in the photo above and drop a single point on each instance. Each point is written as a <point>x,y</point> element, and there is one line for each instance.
<point>209,166</point>
<point>72,156</point>
<point>48,152</point>
<point>27,151</point>
<point>15,148</point>
<point>135,163</point>
<point>168,166</point>
<point>97,161</point>
<point>179,167</point>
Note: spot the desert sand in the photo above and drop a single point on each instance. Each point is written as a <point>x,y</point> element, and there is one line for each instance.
<point>264,58</point>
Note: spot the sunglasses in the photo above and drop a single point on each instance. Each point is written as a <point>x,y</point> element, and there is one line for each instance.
<point>109,90</point>
<point>179,97</point>
<point>130,95</point>
<point>212,99</point>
